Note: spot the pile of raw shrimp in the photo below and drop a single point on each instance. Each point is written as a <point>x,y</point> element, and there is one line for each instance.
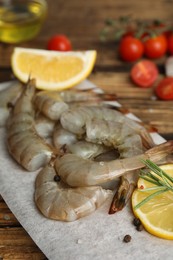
<point>79,146</point>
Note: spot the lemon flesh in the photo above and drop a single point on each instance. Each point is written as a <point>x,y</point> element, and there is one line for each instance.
<point>156,215</point>
<point>52,70</point>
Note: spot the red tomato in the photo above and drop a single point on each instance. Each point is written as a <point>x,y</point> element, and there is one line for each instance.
<point>59,43</point>
<point>144,73</point>
<point>167,34</point>
<point>131,48</point>
<point>155,47</point>
<point>128,33</point>
<point>170,43</point>
<point>157,25</point>
<point>164,90</point>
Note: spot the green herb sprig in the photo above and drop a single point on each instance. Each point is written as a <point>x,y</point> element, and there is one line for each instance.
<point>162,181</point>
<point>115,29</point>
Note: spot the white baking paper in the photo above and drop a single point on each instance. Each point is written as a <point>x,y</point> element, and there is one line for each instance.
<point>95,237</point>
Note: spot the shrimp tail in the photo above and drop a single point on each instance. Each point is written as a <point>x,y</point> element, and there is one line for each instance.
<point>122,195</point>
<point>162,153</point>
<point>146,139</point>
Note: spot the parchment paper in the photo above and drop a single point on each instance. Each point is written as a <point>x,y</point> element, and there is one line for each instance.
<point>95,237</point>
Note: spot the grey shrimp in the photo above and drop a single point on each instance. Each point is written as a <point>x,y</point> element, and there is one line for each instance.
<point>86,149</point>
<point>44,126</point>
<point>24,144</point>
<point>53,103</point>
<point>78,172</point>
<point>50,104</point>
<point>74,120</point>
<point>58,201</point>
<point>114,134</point>
<point>63,139</point>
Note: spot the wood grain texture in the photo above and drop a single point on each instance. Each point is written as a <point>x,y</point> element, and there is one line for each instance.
<point>141,102</point>
<point>82,22</point>
<point>15,243</point>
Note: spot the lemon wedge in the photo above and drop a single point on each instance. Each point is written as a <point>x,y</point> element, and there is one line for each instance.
<point>156,214</point>
<point>52,70</point>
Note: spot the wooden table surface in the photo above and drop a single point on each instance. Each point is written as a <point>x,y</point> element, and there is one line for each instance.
<point>82,21</point>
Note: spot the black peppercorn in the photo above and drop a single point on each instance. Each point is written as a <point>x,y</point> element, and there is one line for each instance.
<point>136,222</point>
<point>57,178</point>
<point>139,227</point>
<point>127,238</point>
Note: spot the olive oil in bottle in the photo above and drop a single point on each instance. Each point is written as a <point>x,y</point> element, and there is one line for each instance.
<point>21,20</point>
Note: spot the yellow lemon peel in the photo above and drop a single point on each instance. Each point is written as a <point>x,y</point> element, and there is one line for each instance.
<point>52,70</point>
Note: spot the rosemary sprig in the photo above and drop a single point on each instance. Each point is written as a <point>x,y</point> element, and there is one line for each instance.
<point>162,181</point>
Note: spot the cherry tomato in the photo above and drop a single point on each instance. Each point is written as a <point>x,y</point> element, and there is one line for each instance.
<point>170,43</point>
<point>157,25</point>
<point>128,33</point>
<point>144,73</point>
<point>59,43</point>
<point>131,48</point>
<point>164,90</point>
<point>167,34</point>
<point>155,47</point>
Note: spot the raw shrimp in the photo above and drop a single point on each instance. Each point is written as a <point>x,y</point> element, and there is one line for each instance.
<point>74,120</point>
<point>77,95</point>
<point>78,172</point>
<point>53,103</point>
<point>58,201</point>
<point>112,134</point>
<point>23,142</point>
<point>96,152</point>
<point>50,104</point>
<point>71,143</point>
<point>125,140</point>
<point>126,186</point>
<point>44,126</point>
<point>8,95</point>
<point>86,149</point>
<point>63,137</point>
<point>115,134</point>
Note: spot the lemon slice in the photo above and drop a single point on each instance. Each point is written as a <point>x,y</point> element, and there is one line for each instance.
<point>156,215</point>
<point>52,70</point>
